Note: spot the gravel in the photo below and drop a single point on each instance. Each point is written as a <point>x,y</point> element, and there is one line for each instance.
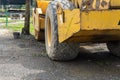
<point>26,59</point>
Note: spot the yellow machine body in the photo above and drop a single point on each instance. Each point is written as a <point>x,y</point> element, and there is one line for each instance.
<point>115,3</point>
<point>43,4</point>
<point>89,26</point>
<point>39,14</point>
<point>99,23</point>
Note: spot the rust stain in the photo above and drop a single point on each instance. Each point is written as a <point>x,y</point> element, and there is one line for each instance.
<point>87,4</point>
<point>95,4</point>
<point>103,3</point>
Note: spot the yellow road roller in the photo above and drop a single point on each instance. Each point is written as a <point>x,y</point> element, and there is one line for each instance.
<point>63,24</point>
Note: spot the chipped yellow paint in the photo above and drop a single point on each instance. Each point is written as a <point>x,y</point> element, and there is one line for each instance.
<point>93,25</point>
<point>87,26</point>
<point>68,25</point>
<point>100,20</point>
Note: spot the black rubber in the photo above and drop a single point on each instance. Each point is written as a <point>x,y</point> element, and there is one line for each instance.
<point>58,51</point>
<point>114,48</point>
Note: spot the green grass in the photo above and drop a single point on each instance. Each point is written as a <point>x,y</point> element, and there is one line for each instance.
<point>18,27</point>
<point>2,10</point>
<point>3,20</point>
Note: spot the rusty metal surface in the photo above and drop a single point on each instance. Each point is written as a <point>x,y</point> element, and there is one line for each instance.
<point>92,22</point>
<point>91,4</point>
<point>95,4</point>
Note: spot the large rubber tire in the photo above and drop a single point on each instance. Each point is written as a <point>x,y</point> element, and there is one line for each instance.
<point>114,48</point>
<point>55,50</point>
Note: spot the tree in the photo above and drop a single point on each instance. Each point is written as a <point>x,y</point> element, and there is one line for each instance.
<point>26,28</point>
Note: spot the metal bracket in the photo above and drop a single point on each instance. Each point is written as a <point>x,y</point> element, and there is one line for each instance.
<point>60,13</point>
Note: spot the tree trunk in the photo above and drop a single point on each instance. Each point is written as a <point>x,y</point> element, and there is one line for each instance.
<point>26,28</point>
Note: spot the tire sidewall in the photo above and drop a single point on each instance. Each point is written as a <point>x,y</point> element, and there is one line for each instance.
<point>58,51</point>
<point>50,14</point>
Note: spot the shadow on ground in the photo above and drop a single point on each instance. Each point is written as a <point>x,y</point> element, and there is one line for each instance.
<point>26,59</point>
<point>87,66</point>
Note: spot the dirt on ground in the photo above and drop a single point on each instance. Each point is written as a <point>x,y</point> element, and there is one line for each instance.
<point>26,59</point>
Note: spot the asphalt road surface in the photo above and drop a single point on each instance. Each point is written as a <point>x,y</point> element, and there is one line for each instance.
<point>26,59</point>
